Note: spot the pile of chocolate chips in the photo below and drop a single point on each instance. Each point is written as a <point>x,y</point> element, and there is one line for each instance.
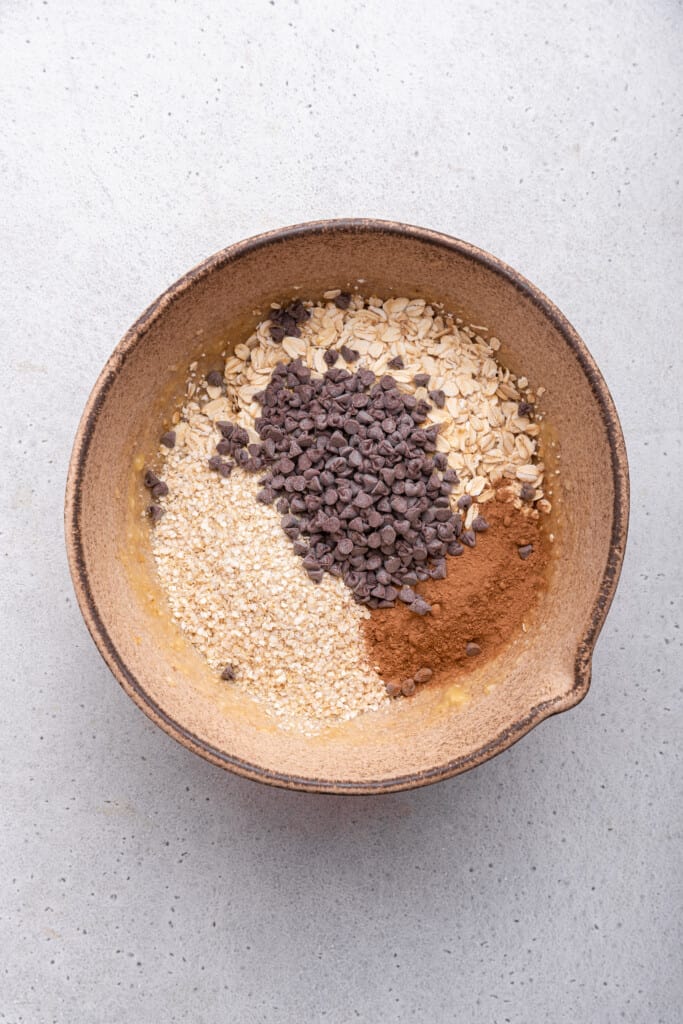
<point>362,491</point>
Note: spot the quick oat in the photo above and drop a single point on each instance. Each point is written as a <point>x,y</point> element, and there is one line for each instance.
<point>237,590</point>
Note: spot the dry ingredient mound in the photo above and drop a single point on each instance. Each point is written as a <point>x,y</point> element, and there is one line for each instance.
<point>269,593</point>
<point>362,492</point>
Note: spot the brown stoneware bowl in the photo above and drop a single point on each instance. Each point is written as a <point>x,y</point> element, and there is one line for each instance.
<point>536,675</point>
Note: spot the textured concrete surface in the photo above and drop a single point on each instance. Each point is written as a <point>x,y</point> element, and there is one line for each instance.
<point>139,884</point>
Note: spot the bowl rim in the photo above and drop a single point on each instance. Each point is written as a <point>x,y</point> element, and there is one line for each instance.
<point>610,578</point>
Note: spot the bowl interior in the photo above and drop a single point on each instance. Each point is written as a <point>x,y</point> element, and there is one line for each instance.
<point>436,733</point>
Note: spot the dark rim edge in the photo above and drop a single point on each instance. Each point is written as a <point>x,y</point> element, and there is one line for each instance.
<point>610,578</point>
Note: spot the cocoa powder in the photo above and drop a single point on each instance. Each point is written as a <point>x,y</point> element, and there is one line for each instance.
<point>483,601</point>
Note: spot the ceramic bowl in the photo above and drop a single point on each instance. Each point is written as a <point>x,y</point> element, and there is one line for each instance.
<point>535,676</point>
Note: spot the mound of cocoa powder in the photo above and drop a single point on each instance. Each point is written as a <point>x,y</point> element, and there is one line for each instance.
<point>483,600</point>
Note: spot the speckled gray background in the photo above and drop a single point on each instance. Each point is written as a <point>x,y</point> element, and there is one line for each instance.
<point>141,885</point>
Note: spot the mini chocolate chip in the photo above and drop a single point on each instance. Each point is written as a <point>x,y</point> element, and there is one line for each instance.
<point>214,379</point>
<point>343,300</point>
<point>472,649</point>
<point>479,524</point>
<point>160,490</point>
<point>388,535</point>
<point>464,502</point>
<point>524,409</point>
<point>438,398</point>
<point>155,512</point>
<point>524,551</point>
<point>168,439</point>
<point>225,468</point>
<point>408,687</point>
<point>392,689</point>
<point>469,538</point>
<point>228,673</point>
<point>439,570</point>
<point>423,675</point>
<point>349,355</point>
<point>150,479</point>
<point>330,356</point>
<point>420,553</point>
<point>527,492</point>
<point>420,606</point>
<point>396,363</point>
<point>362,500</point>
<point>421,380</point>
<point>298,311</point>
